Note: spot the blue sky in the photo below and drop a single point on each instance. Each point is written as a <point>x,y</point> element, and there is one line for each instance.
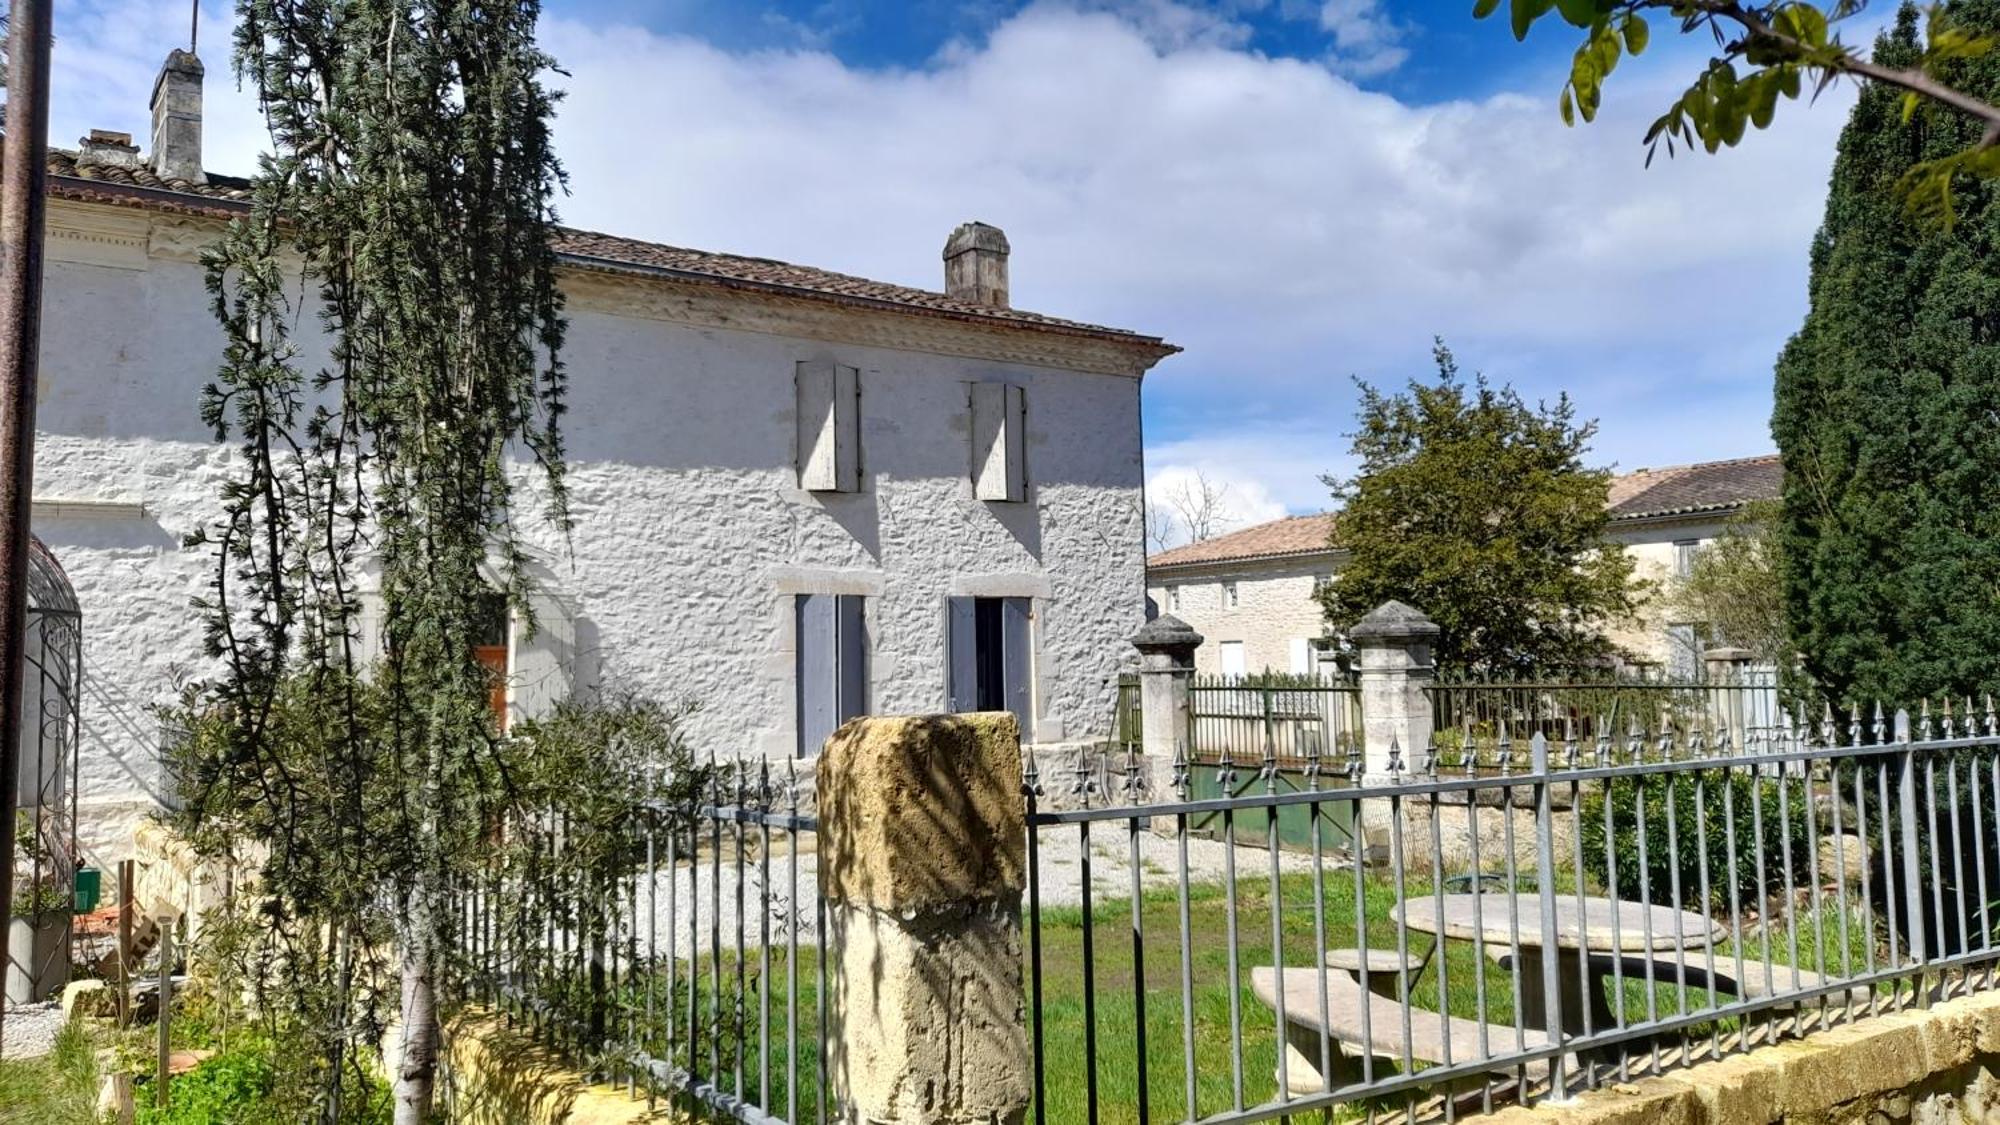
<point>1296,191</point>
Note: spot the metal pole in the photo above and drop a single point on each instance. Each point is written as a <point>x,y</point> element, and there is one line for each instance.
<point>23,181</point>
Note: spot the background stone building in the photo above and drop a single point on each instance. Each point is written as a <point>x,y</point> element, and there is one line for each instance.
<point>1250,592</point>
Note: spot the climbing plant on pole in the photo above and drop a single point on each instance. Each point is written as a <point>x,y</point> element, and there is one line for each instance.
<point>392,388</point>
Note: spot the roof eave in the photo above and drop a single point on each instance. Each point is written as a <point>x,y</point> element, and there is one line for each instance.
<point>1152,349</point>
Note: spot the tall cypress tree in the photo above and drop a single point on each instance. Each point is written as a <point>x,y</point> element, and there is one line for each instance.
<point>1888,410</point>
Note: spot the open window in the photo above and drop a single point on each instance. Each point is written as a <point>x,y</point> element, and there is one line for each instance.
<point>991,649</point>
<point>831,646</point>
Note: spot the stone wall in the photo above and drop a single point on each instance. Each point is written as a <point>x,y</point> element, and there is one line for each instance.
<point>1274,608</point>
<point>1935,1067</point>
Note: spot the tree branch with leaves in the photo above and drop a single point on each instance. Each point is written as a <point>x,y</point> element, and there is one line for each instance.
<point>1767,52</point>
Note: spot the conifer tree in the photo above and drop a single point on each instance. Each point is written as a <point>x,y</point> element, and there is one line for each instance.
<point>1888,410</point>
<point>391,382</point>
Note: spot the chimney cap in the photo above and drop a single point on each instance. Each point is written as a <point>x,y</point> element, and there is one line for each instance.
<point>976,235</point>
<point>109,137</point>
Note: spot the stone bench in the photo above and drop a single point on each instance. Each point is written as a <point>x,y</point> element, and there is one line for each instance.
<point>1751,986</point>
<point>1386,968</point>
<point>1346,1002</point>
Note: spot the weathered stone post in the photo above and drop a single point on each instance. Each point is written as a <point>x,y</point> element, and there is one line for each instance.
<point>1394,643</point>
<point>922,844</point>
<point>1166,667</point>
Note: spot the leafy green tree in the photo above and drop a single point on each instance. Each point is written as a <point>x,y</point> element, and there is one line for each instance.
<point>1786,49</point>
<point>1734,587</point>
<point>1885,407</point>
<point>404,219</point>
<point>1477,509</point>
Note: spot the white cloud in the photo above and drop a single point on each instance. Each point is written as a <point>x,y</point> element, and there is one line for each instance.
<point>1285,226</point>
<point>1366,41</point>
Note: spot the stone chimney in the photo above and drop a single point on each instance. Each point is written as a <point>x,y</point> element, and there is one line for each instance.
<point>106,149</point>
<point>975,265</point>
<point>177,119</point>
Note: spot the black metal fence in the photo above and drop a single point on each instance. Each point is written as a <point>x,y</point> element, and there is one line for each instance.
<point>689,965</point>
<point>1579,912</point>
<point>1291,718</point>
<point>1479,715</point>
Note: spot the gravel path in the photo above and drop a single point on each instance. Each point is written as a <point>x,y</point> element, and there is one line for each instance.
<point>685,894</point>
<point>31,1030</point>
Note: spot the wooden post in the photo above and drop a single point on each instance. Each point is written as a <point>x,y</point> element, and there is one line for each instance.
<point>166,1005</point>
<point>128,905</point>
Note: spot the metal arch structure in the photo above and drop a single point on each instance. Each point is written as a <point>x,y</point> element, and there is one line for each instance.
<point>46,856</point>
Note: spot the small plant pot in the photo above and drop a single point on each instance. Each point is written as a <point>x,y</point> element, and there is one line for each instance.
<point>37,957</point>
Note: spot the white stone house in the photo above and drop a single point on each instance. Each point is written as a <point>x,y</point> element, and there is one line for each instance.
<point>1250,592</point>
<point>798,495</point>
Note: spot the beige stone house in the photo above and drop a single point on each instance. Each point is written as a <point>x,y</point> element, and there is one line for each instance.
<point>1249,593</point>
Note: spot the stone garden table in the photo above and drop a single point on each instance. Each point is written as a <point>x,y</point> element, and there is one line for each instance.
<point>1634,931</point>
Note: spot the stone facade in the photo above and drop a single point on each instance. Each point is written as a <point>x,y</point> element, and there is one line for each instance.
<point>1273,619</point>
<point>692,538</point>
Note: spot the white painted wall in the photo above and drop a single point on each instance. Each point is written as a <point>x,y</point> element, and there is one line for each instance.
<point>690,532</point>
<point>1651,546</point>
<point>1274,608</point>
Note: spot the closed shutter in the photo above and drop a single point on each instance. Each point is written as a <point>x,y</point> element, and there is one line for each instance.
<point>999,442</point>
<point>851,645</point>
<point>829,426</point>
<point>1017,661</point>
<point>961,638</point>
<point>543,661</point>
<point>815,672</point>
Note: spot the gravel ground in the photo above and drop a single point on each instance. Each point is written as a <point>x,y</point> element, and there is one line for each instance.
<point>688,894</point>
<point>31,1030</point>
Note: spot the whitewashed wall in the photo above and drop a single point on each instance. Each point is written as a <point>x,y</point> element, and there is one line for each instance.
<point>690,534</point>
<point>1274,610</point>
<point>1651,546</point>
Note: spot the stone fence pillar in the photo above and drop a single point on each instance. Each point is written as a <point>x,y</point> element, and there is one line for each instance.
<point>1731,707</point>
<point>1166,667</point>
<point>922,845</point>
<point>1394,644</point>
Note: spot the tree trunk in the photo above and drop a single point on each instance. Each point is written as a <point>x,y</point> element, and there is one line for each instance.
<point>416,1072</point>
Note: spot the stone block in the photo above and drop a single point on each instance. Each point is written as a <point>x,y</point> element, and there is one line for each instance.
<point>922,812</point>
<point>933,1013</point>
<point>87,998</point>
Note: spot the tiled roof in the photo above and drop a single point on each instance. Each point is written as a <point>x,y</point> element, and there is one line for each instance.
<point>1293,535</point>
<point>1713,486</point>
<point>224,196</point>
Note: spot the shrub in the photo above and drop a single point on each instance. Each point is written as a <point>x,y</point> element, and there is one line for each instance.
<point>1701,835</point>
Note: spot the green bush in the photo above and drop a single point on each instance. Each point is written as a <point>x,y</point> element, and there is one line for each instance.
<point>1701,833</point>
<point>246,1085</point>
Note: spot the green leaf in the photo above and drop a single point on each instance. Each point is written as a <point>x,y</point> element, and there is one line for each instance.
<point>1578,13</point>
<point>1763,94</point>
<point>1483,8</point>
<point>1909,106</point>
<point>1802,22</point>
<point>1525,12</point>
<point>1636,34</point>
<point>1568,110</point>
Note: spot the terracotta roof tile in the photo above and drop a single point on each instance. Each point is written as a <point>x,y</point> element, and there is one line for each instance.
<point>225,196</point>
<point>1711,486</point>
<point>1292,535</point>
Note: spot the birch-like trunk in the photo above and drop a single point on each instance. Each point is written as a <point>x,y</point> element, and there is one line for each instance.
<point>416,1071</point>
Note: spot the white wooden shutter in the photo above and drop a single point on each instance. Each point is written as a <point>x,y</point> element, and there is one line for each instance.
<point>999,442</point>
<point>1017,658</point>
<point>961,638</point>
<point>829,426</point>
<point>814,661</point>
<point>850,630</point>
<point>542,662</point>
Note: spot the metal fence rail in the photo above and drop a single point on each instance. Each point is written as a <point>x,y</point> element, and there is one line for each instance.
<point>1296,718</point>
<point>1570,912</point>
<point>1477,714</point>
<point>686,962</point>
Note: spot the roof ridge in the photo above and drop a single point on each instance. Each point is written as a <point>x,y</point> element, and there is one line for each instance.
<point>1754,458</point>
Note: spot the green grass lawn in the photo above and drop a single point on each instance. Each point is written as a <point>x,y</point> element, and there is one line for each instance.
<point>57,1089</point>
<point>1089,1020</point>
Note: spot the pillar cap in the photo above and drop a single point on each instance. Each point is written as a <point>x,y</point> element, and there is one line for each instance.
<point>1393,621</point>
<point>1166,633</point>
